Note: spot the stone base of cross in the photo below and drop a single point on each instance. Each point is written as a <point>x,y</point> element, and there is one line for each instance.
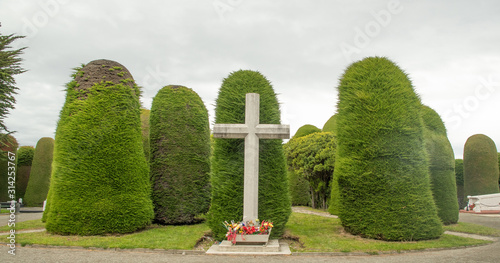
<point>252,131</point>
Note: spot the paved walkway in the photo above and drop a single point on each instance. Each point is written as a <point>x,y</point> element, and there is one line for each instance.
<point>488,253</point>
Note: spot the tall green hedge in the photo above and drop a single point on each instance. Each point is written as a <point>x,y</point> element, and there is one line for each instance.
<point>24,159</point>
<point>100,178</point>
<point>381,166</point>
<point>38,185</point>
<point>441,166</point>
<point>480,166</point>
<point>8,144</point>
<point>180,155</point>
<point>306,130</point>
<point>227,160</point>
<point>459,177</point>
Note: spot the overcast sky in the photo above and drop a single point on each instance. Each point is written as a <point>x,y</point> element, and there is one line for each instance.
<point>450,49</point>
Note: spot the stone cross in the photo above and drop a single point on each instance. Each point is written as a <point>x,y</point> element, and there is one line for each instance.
<point>252,131</point>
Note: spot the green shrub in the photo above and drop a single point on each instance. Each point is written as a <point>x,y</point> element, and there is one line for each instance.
<point>8,144</point>
<point>313,157</point>
<point>180,155</point>
<point>145,131</point>
<point>299,188</point>
<point>25,155</point>
<point>38,185</point>
<point>480,166</point>
<point>441,166</point>
<point>330,124</point>
<point>227,160</point>
<point>306,130</point>
<point>24,160</point>
<point>100,178</point>
<point>381,166</point>
<point>459,177</point>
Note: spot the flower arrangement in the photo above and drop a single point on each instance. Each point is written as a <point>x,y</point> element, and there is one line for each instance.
<point>246,228</point>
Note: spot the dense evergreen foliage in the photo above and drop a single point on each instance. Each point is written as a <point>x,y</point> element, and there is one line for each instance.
<point>39,183</point>
<point>312,157</point>
<point>480,166</point>
<point>180,155</point>
<point>381,166</point>
<point>7,144</point>
<point>441,166</point>
<point>228,157</point>
<point>299,188</point>
<point>306,130</point>
<point>330,124</point>
<point>100,178</point>
<point>24,159</point>
<point>459,177</point>
<point>10,65</point>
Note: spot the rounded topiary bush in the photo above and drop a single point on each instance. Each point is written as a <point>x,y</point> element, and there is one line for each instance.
<point>330,124</point>
<point>480,166</point>
<point>38,185</point>
<point>441,166</point>
<point>381,166</point>
<point>7,144</point>
<point>24,159</point>
<point>306,130</point>
<point>180,155</point>
<point>100,178</point>
<point>228,157</point>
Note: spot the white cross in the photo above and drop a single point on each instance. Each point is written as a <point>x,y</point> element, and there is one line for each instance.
<point>252,131</point>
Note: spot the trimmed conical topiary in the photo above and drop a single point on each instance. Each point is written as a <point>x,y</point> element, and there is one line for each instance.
<point>8,144</point>
<point>381,166</point>
<point>228,157</point>
<point>38,185</point>
<point>306,130</point>
<point>441,166</point>
<point>100,178</point>
<point>480,166</point>
<point>180,155</point>
<point>24,159</point>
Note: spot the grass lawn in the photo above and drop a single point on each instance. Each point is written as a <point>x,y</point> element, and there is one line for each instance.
<point>305,233</point>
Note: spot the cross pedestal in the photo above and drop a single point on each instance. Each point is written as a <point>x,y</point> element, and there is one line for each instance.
<point>252,131</point>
